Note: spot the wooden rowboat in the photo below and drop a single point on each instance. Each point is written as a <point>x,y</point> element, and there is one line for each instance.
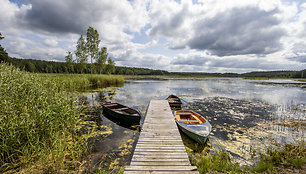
<point>193,125</point>
<point>174,101</point>
<point>122,113</point>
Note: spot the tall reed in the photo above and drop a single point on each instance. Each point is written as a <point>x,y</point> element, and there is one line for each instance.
<point>37,121</point>
<point>82,82</point>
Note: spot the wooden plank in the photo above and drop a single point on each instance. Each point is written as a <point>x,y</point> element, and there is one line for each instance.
<point>160,172</point>
<point>173,130</point>
<point>159,141</point>
<point>172,145</point>
<point>160,168</point>
<point>157,136</point>
<point>160,163</point>
<point>160,148</point>
<point>160,138</point>
<point>160,153</point>
<point>180,159</point>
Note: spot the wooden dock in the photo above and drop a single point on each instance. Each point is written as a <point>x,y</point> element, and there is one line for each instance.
<point>160,148</point>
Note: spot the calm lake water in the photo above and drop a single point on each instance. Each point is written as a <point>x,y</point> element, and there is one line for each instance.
<point>243,113</point>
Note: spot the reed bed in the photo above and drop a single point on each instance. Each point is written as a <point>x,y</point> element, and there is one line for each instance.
<point>37,123</point>
<point>83,82</point>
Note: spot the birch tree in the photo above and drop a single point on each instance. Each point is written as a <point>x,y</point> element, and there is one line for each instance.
<point>81,54</point>
<point>92,44</point>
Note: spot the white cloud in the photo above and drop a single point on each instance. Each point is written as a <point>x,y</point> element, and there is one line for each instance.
<point>51,42</point>
<point>214,35</point>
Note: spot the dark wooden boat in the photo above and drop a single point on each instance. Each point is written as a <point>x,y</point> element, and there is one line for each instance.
<point>174,101</point>
<point>193,125</point>
<point>122,113</point>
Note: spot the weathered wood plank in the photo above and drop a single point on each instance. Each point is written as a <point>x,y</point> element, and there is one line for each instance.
<point>152,135</point>
<point>160,145</point>
<point>160,168</point>
<point>161,172</point>
<point>160,163</point>
<point>180,159</point>
<point>160,148</point>
<point>159,138</point>
<point>161,154</point>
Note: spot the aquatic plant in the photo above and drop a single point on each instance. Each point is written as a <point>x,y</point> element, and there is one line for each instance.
<point>37,123</point>
<point>219,161</point>
<point>82,82</point>
<point>289,155</point>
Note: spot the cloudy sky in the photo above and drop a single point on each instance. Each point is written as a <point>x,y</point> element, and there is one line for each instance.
<point>187,35</point>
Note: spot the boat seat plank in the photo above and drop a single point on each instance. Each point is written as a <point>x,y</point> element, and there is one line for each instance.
<point>192,121</point>
<point>200,125</point>
<point>182,113</point>
<point>120,109</point>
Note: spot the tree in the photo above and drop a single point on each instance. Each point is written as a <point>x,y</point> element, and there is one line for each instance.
<point>3,53</point>
<point>69,61</point>
<point>81,54</point>
<point>110,67</point>
<point>92,44</point>
<point>29,66</point>
<point>102,57</point>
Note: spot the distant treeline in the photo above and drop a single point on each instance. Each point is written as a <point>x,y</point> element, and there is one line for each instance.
<point>40,66</point>
<point>261,74</point>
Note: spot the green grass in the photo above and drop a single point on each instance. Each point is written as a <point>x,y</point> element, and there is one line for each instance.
<point>289,155</point>
<point>37,123</point>
<point>219,161</point>
<point>300,80</point>
<point>274,160</point>
<point>256,78</point>
<point>82,82</point>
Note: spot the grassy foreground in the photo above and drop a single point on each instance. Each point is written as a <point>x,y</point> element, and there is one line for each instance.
<point>39,122</point>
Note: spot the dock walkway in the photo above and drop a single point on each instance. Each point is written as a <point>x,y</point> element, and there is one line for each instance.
<point>160,148</point>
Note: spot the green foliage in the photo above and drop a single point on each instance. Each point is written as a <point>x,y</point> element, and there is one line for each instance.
<point>82,82</point>
<point>110,67</point>
<point>69,61</point>
<point>219,161</point>
<point>37,122</point>
<point>3,53</point>
<point>92,44</point>
<point>293,155</point>
<point>102,56</point>
<point>81,55</point>
<point>262,166</point>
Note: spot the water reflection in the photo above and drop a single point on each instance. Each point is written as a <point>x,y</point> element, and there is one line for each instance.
<point>242,112</point>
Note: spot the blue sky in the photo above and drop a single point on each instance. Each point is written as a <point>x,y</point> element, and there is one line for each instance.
<point>187,35</point>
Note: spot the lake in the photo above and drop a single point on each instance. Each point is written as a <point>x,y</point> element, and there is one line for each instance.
<point>247,116</point>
